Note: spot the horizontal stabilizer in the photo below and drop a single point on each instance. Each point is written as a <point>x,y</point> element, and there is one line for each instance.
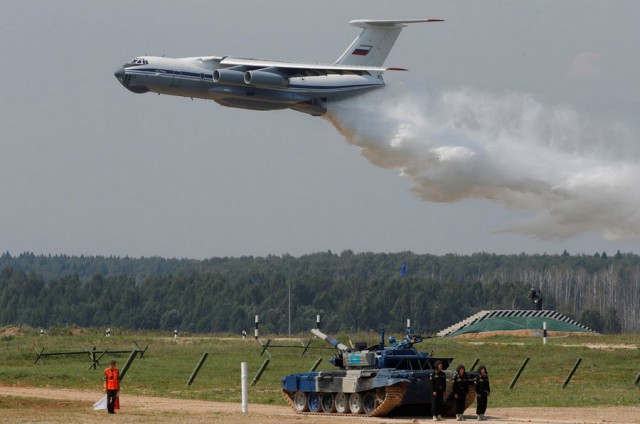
<point>371,23</point>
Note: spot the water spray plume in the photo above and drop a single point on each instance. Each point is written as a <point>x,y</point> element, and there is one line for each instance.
<point>566,173</point>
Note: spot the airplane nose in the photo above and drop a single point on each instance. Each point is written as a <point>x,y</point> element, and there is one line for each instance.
<point>119,73</point>
<point>128,81</point>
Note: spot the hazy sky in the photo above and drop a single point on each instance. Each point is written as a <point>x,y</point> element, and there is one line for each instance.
<point>86,167</point>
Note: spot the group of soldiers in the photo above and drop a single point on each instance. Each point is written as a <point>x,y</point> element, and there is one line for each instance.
<point>460,381</point>
<point>460,384</point>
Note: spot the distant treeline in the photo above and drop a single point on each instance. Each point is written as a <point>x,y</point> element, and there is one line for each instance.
<point>349,291</point>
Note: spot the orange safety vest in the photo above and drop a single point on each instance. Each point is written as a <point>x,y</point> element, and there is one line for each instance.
<point>111,379</point>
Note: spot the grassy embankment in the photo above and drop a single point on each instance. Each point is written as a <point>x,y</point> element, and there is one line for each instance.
<point>605,376</point>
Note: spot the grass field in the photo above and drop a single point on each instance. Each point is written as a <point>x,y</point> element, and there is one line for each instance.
<point>605,377</point>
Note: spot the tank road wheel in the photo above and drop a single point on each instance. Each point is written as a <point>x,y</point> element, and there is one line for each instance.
<point>355,403</point>
<point>342,403</point>
<point>327,402</point>
<point>300,402</point>
<point>369,402</point>
<point>314,402</point>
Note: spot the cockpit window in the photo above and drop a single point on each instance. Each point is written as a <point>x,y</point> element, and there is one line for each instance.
<point>138,61</point>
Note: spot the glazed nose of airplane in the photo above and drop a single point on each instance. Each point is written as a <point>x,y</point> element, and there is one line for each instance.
<point>128,81</point>
<point>119,73</point>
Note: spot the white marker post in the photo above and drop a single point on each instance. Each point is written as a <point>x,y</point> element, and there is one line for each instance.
<point>243,380</point>
<point>544,332</point>
<point>256,333</point>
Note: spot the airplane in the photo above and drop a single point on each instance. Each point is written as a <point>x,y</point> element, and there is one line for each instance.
<point>270,85</point>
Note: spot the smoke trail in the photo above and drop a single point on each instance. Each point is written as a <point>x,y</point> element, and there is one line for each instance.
<point>565,172</point>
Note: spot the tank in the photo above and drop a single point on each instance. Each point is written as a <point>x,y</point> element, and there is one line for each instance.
<point>374,381</point>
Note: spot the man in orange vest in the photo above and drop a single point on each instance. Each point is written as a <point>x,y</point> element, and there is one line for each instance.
<point>112,385</point>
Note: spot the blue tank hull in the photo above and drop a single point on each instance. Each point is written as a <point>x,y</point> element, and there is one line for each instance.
<point>376,381</point>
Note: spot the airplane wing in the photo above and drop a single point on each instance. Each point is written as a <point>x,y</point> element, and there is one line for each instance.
<point>301,69</point>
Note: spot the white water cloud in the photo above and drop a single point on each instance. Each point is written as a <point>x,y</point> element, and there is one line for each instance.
<point>566,173</point>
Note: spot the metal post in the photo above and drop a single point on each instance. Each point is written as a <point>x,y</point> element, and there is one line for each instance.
<point>141,352</point>
<point>243,382</point>
<point>265,347</point>
<point>515,378</point>
<point>474,364</point>
<point>575,367</point>
<point>195,371</point>
<point>317,322</point>
<point>408,326</point>
<point>544,332</point>
<point>256,333</point>
<point>127,364</point>
<point>96,361</point>
<point>289,285</point>
<point>260,371</point>
<point>39,356</point>
<point>305,348</point>
<point>313,368</point>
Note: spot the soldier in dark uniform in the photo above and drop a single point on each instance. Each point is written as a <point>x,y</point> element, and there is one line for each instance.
<point>438,385</point>
<point>539,304</point>
<point>460,384</point>
<point>536,298</point>
<point>482,392</point>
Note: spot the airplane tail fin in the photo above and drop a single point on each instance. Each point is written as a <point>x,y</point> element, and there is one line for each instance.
<point>374,43</point>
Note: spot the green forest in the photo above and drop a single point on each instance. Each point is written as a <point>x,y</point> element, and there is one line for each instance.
<point>350,291</point>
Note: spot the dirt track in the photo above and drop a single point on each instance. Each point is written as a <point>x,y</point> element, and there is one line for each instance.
<point>24,404</point>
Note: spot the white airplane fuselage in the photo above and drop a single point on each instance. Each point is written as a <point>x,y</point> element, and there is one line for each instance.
<point>271,85</point>
<point>196,77</point>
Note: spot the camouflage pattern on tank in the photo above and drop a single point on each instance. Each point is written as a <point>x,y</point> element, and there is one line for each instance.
<point>374,381</point>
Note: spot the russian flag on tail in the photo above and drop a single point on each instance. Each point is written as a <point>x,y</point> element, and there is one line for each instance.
<point>362,50</point>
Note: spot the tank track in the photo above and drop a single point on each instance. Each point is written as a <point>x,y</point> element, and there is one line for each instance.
<point>450,409</point>
<point>392,398</point>
<point>471,396</point>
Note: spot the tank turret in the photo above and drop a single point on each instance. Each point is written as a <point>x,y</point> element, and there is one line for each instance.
<point>375,380</point>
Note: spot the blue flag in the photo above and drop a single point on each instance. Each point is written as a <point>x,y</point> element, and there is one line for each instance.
<point>403,272</point>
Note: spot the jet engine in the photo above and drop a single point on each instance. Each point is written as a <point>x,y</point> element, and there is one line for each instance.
<point>228,76</point>
<point>265,78</point>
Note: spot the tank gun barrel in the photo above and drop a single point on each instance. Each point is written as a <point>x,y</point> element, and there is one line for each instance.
<point>333,342</point>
